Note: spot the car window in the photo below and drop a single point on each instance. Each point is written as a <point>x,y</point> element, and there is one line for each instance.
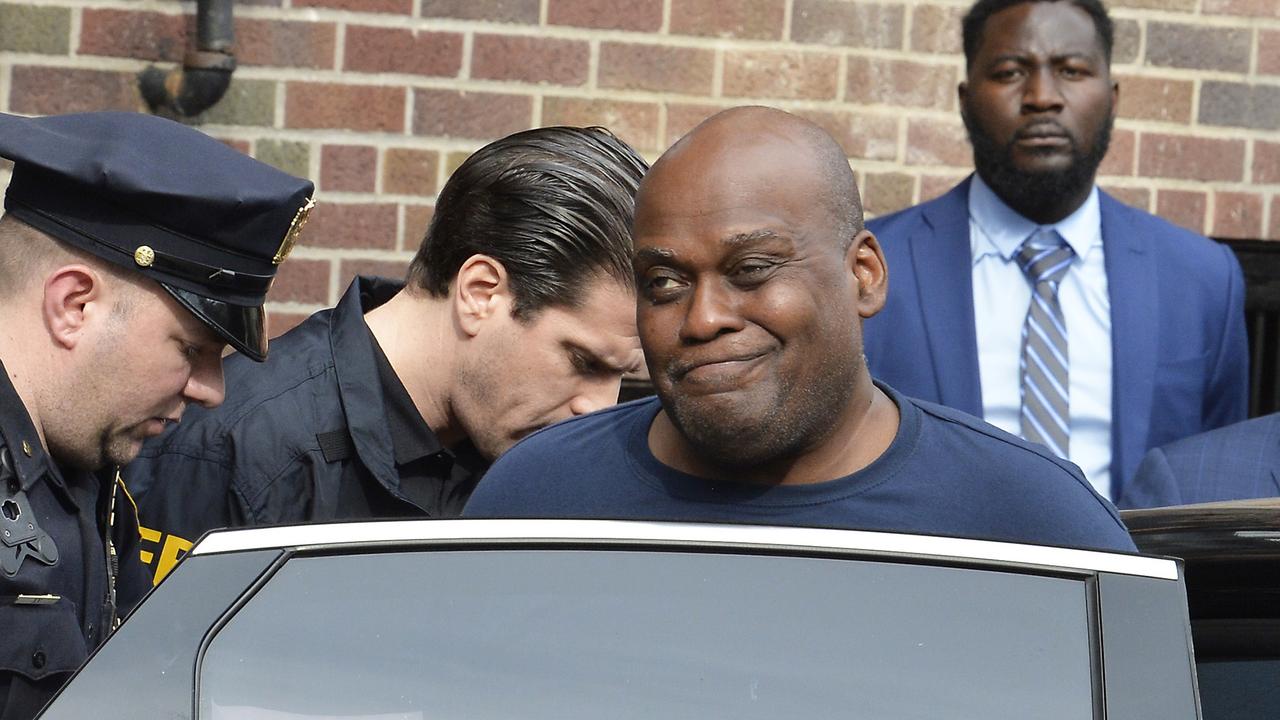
<point>1245,689</point>
<point>563,634</point>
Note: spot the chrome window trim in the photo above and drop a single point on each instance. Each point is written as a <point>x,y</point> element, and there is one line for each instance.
<point>629,531</point>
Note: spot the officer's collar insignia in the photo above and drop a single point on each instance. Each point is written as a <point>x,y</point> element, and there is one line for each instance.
<point>291,237</point>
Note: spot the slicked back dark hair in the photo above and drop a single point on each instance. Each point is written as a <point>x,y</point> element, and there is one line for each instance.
<point>554,205</point>
<point>975,21</point>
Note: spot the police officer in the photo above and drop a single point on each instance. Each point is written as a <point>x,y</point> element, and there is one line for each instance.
<point>132,250</point>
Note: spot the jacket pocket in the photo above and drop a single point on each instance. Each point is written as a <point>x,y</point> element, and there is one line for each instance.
<point>40,641</point>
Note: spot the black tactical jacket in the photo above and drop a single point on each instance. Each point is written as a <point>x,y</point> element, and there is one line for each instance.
<point>300,438</point>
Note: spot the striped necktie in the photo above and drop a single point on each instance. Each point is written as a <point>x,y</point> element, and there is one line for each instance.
<point>1046,419</point>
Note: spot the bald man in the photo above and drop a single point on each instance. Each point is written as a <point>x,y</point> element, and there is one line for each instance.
<point>754,274</point>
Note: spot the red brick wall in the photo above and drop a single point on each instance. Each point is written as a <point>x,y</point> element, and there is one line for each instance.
<point>379,99</point>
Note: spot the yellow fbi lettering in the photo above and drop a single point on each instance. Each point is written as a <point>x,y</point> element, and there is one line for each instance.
<point>171,551</point>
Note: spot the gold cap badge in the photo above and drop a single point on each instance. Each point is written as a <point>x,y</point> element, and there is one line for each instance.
<point>144,256</point>
<point>291,237</point>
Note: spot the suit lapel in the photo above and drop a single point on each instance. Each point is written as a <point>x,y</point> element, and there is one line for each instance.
<point>1131,286</point>
<point>944,278</point>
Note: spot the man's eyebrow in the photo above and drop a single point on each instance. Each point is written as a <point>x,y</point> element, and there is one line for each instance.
<point>747,238</point>
<point>1019,57</point>
<point>658,255</point>
<point>652,255</point>
<point>1026,57</point>
<point>595,358</point>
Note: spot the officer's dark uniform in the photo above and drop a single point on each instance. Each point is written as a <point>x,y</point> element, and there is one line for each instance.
<point>322,431</point>
<point>209,225</point>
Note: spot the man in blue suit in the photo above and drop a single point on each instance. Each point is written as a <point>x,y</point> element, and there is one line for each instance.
<point>1237,462</point>
<point>1133,338</point>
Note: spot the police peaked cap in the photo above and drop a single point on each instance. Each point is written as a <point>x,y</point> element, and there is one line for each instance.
<point>208,223</point>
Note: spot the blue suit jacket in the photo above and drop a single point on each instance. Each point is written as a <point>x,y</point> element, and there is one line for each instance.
<point>1236,462</point>
<point>1179,350</point>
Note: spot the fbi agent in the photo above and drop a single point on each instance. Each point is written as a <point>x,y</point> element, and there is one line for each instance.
<point>132,250</point>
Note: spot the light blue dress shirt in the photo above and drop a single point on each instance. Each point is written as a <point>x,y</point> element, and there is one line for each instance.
<point>1001,296</point>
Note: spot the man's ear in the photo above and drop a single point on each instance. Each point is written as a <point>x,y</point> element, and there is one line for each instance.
<point>962,91</point>
<point>481,290</point>
<point>1115,100</point>
<point>866,261</point>
<point>74,297</point>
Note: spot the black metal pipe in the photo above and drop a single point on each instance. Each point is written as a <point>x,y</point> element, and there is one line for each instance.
<point>206,71</point>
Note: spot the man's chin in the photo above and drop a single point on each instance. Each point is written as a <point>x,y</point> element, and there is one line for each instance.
<point>723,432</point>
<point>1043,167</point>
<point>123,454</point>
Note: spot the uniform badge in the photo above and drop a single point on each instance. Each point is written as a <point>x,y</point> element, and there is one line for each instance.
<point>291,237</point>
<point>21,536</point>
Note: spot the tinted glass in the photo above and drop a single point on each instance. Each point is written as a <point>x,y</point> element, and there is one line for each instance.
<point>1240,689</point>
<point>145,669</point>
<point>635,634</point>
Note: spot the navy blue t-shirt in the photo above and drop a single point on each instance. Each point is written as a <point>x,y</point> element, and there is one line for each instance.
<point>945,473</point>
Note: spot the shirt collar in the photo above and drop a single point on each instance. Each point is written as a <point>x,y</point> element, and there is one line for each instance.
<point>1001,230</point>
<point>29,459</point>
<point>411,438</point>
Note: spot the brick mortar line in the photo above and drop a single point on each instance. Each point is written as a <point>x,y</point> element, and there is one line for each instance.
<point>593,65</point>
<point>1248,161</point>
<point>379,164</point>
<point>75,28</point>
<point>788,12</point>
<point>1210,213</point>
<point>407,80</point>
<point>410,109</point>
<point>717,73</point>
<point>1137,150</point>
<point>339,48</point>
<point>1255,51</point>
<point>1181,184</point>
<point>333,281</point>
<point>338,15</point>
<point>334,15</point>
<point>402,226</point>
<point>420,82</point>
<point>6,72</point>
<point>98,4</point>
<point>278,113</point>
<point>1196,85</point>
<point>349,197</point>
<point>842,79</point>
<point>665,27</point>
<point>908,18</point>
<point>1142,42</point>
<point>900,152</point>
<point>935,60</point>
<point>436,143</point>
<point>661,132</point>
<point>1175,128</point>
<point>468,50</point>
<point>1174,73</point>
<point>1198,19</point>
<point>314,252</point>
<point>878,166</point>
<point>314,153</point>
<point>343,76</point>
